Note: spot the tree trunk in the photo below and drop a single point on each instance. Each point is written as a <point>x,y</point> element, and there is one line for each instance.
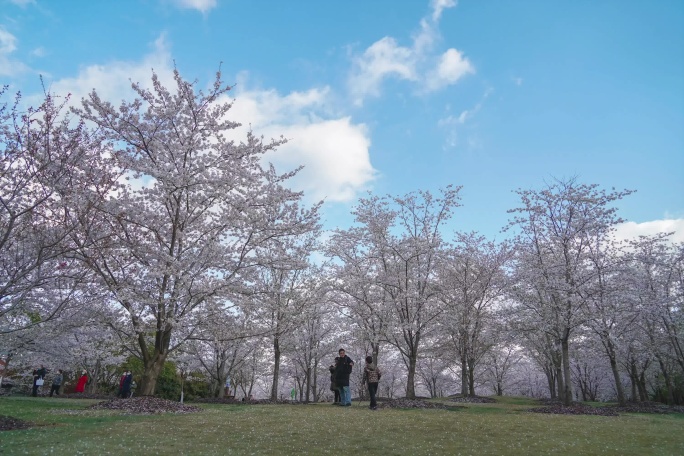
<point>315,381</point>
<point>410,381</point>
<point>307,380</point>
<point>464,376</point>
<point>153,362</point>
<point>471,378</point>
<point>634,380</point>
<point>153,368</point>
<point>668,382</point>
<point>560,386</point>
<point>567,392</point>
<point>551,380</point>
<point>276,369</point>
<point>618,381</point>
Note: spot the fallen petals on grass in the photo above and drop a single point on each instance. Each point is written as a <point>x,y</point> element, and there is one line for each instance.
<point>145,405</point>
<point>404,403</point>
<point>472,399</point>
<point>575,410</point>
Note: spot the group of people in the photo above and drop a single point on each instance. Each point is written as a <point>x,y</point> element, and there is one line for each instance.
<point>126,385</point>
<point>339,379</point>
<point>57,381</point>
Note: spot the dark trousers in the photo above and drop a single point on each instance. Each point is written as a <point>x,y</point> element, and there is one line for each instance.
<point>337,395</point>
<point>34,393</point>
<point>373,391</point>
<point>54,389</point>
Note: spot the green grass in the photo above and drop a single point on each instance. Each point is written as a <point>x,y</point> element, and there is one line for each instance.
<point>64,427</point>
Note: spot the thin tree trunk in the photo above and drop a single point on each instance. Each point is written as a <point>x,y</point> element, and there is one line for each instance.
<point>308,384</point>
<point>567,392</point>
<point>618,381</point>
<point>634,380</point>
<point>551,380</point>
<point>668,382</point>
<point>315,381</point>
<point>464,376</point>
<point>276,369</point>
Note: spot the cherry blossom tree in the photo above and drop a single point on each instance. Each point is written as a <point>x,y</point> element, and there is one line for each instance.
<point>556,226</point>
<point>46,159</point>
<point>403,237</point>
<point>184,225</point>
<point>281,293</point>
<point>656,277</point>
<point>472,281</point>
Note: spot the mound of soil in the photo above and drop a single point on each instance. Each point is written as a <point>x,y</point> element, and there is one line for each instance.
<point>575,409</point>
<point>145,405</point>
<point>404,403</point>
<point>224,400</point>
<point>648,407</point>
<point>473,399</point>
<point>8,423</point>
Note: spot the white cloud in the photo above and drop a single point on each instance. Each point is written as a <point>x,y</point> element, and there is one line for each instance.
<point>8,42</point>
<point>382,59</point>
<point>38,52</point>
<point>632,230</point>
<point>418,63</point>
<point>113,79</point>
<point>333,150</point>
<point>440,5</point>
<point>452,66</point>
<point>202,6</point>
<point>8,65</point>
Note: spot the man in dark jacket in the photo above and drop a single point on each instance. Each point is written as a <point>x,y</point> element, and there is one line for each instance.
<point>342,372</point>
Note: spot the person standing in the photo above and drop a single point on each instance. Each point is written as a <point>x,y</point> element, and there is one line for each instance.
<point>56,383</point>
<point>371,375</point>
<point>82,380</point>
<point>38,379</point>
<point>342,373</point>
<point>121,382</point>
<point>333,385</point>
<point>126,385</point>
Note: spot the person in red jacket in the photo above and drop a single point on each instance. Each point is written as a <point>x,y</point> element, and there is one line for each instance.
<point>80,385</point>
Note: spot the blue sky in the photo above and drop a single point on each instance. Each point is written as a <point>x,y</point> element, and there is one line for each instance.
<point>393,96</point>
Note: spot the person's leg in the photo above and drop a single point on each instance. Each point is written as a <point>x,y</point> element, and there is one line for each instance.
<point>34,393</point>
<point>373,391</point>
<point>347,396</point>
<point>337,396</point>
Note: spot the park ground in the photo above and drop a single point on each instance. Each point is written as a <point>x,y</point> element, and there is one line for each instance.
<point>67,426</point>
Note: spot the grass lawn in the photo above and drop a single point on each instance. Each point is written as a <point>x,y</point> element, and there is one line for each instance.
<point>64,427</point>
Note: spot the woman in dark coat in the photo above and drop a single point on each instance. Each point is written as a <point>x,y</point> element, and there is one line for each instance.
<point>333,385</point>
<point>126,386</point>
